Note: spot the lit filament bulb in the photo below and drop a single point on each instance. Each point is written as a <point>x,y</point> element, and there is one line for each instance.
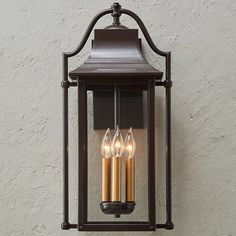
<point>117,149</point>
<point>106,145</point>
<point>117,144</point>
<point>130,148</point>
<point>130,145</point>
<point>106,166</point>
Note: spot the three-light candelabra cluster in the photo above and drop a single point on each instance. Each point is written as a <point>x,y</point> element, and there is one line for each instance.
<point>112,151</point>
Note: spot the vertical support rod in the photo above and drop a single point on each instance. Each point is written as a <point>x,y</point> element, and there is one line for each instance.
<point>169,222</point>
<point>82,148</point>
<point>116,105</point>
<point>151,154</point>
<point>116,113</point>
<point>65,224</point>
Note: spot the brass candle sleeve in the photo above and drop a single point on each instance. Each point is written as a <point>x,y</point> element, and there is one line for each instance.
<point>106,179</point>
<point>116,179</point>
<point>130,179</point>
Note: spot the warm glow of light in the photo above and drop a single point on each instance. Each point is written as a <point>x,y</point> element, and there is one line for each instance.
<point>129,148</point>
<point>130,145</point>
<point>106,145</point>
<point>117,146</point>
<point>107,148</point>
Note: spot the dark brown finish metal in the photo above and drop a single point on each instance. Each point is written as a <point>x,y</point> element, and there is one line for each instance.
<point>116,13</point>
<point>142,226</point>
<point>117,208</point>
<point>169,222</point>
<point>127,87</point>
<point>115,53</point>
<point>103,109</point>
<point>100,78</point>
<point>83,161</point>
<point>116,105</point>
<point>151,154</point>
<point>116,226</point>
<point>131,108</point>
<point>65,224</point>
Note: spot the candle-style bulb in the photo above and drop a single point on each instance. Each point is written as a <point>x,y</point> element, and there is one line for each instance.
<point>106,166</point>
<point>117,146</point>
<point>130,145</point>
<point>106,144</point>
<point>130,148</point>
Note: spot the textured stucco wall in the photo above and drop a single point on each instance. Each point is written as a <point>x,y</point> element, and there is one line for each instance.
<point>202,37</point>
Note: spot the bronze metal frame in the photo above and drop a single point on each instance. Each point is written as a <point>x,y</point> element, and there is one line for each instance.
<point>83,224</point>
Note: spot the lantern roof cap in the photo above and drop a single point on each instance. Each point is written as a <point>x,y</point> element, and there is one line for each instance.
<point>116,51</point>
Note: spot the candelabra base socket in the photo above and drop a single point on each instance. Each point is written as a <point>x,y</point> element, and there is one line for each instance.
<point>117,208</point>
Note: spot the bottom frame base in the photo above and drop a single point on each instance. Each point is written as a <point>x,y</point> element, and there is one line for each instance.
<point>107,226</point>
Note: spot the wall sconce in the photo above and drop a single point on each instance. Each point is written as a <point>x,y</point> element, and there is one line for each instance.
<point>117,74</point>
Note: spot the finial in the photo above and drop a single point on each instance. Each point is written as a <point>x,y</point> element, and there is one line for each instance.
<point>116,13</point>
<point>116,9</point>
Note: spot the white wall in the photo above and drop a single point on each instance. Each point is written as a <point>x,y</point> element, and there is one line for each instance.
<point>202,37</point>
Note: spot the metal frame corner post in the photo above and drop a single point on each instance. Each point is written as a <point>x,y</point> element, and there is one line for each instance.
<point>83,157</point>
<point>169,222</point>
<point>65,223</point>
<point>151,154</point>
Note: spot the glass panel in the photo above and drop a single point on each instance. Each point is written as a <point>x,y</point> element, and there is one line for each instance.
<point>95,138</point>
<point>160,155</point>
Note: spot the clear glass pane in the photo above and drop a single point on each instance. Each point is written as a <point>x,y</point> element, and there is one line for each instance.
<point>160,155</point>
<point>95,138</point>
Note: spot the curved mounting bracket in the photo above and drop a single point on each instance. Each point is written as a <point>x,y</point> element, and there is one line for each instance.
<point>116,12</point>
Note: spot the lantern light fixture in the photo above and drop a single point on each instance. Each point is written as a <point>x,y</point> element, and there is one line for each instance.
<point>117,74</point>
